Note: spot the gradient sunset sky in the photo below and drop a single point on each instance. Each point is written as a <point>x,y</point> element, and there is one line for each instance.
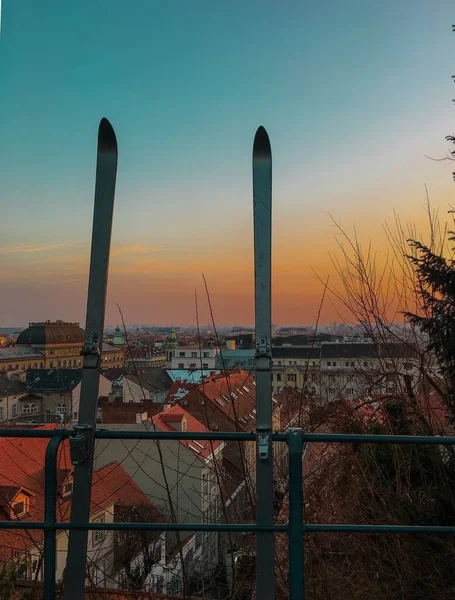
<point>353,94</point>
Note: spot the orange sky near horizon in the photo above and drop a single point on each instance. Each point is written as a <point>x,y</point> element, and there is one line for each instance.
<point>146,280</point>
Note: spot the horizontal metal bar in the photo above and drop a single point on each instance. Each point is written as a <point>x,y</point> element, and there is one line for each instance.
<point>336,438</point>
<point>179,435</point>
<point>413,529</point>
<point>140,435</point>
<point>350,438</point>
<point>236,527</point>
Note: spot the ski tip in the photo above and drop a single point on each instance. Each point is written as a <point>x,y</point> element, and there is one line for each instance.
<point>261,146</point>
<point>107,142</point>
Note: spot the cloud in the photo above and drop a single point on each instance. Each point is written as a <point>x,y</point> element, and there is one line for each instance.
<point>31,248</point>
<point>134,249</point>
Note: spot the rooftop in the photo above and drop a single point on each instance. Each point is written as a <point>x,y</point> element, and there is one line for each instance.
<point>23,462</point>
<point>176,413</point>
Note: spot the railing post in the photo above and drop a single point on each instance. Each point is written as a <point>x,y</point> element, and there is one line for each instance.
<point>50,517</point>
<point>295,523</point>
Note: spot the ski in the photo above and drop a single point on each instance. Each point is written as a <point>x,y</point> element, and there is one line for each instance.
<point>82,440</point>
<point>262,216</point>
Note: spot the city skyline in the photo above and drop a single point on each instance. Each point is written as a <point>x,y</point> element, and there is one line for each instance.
<point>352,105</point>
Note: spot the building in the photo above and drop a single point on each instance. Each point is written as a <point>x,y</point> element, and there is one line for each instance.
<point>350,369</point>
<point>22,495</point>
<point>144,356</point>
<point>146,384</point>
<point>227,402</point>
<point>48,345</point>
<point>12,389</point>
<point>193,357</point>
<point>178,475</point>
<point>54,395</point>
<point>235,358</point>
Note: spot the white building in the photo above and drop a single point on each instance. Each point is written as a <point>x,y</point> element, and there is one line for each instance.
<point>192,357</point>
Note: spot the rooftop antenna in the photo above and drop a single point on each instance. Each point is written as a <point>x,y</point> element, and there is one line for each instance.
<point>262,216</point>
<point>82,441</point>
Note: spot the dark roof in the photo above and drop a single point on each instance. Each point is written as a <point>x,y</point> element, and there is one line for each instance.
<point>366,350</point>
<point>53,380</point>
<point>295,352</point>
<point>153,380</point>
<point>345,350</point>
<point>115,376</point>
<point>11,387</point>
<point>48,333</point>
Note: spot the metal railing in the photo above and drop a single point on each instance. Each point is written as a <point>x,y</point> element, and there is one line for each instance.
<point>296,528</point>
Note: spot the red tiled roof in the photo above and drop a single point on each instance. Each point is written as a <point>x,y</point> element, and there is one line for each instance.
<point>175,413</point>
<point>234,395</point>
<point>22,466</point>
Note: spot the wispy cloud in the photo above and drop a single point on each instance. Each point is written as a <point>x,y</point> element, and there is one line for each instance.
<point>31,248</point>
<point>134,250</point>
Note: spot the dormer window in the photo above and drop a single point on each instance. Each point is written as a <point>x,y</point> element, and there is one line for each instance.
<point>67,488</point>
<point>21,507</point>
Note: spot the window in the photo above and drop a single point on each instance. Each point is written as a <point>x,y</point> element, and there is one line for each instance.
<point>194,355</point>
<point>292,377</point>
<point>347,363</point>
<point>61,408</point>
<point>332,377</point>
<point>205,365</point>
<point>14,410</point>
<point>21,508</point>
<point>334,364</point>
<point>314,377</point>
<point>182,354</point>
<point>206,354</point>
<point>279,363</point>
<point>290,363</point>
<point>332,391</point>
<point>390,390</point>
<point>278,389</point>
<point>30,408</point>
<point>98,535</point>
<point>193,365</point>
<point>350,391</point>
<point>365,363</point>
<point>1,413</point>
<point>278,376</point>
<point>181,366</point>
<point>67,488</point>
<point>47,415</point>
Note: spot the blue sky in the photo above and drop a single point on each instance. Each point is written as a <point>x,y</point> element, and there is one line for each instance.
<point>353,95</point>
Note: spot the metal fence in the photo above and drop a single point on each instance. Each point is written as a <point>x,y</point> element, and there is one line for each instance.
<point>296,528</point>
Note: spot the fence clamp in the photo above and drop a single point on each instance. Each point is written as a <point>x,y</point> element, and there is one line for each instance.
<point>263,348</point>
<point>91,351</point>
<point>81,443</point>
<point>263,438</point>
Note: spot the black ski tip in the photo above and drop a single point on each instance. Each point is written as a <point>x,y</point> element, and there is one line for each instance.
<point>261,146</point>
<point>107,142</point>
